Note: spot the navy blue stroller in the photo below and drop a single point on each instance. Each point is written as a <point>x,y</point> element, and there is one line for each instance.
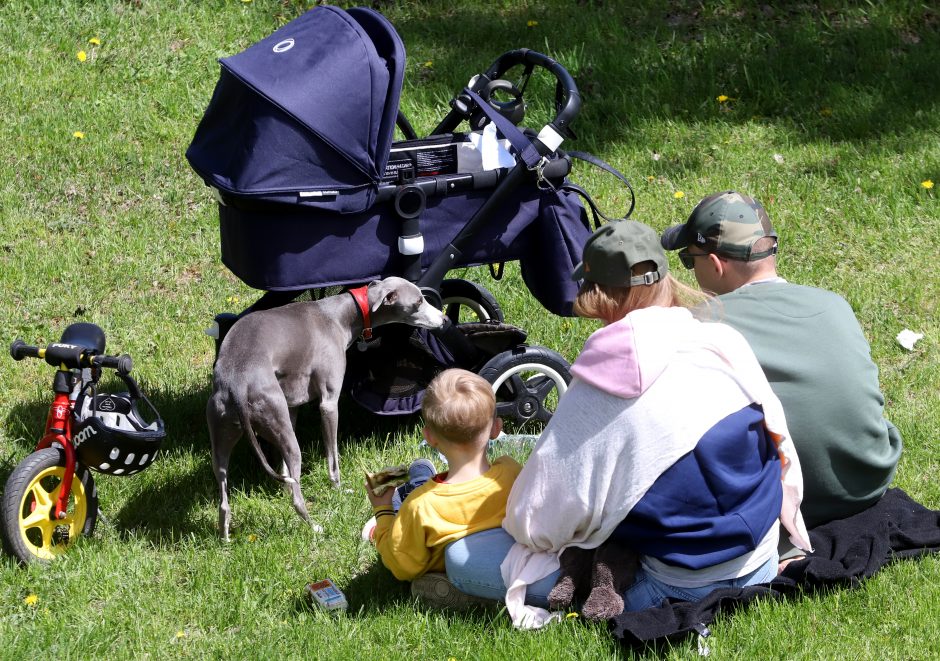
<point>314,196</point>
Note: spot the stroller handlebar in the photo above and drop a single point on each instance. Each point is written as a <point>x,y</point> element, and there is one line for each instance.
<point>569,103</point>
<point>523,56</point>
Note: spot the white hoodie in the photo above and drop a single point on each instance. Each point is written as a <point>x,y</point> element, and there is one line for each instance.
<point>645,390</point>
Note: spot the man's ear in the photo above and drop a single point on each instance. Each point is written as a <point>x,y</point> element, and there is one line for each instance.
<point>716,264</point>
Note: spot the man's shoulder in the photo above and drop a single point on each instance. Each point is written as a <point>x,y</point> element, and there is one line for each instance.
<point>779,288</point>
<point>783,297</point>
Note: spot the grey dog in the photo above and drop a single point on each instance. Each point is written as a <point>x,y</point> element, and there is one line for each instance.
<point>272,361</point>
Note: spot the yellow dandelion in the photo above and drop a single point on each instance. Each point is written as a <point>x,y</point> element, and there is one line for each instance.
<point>928,184</point>
<point>81,55</point>
<point>252,538</point>
<point>429,64</point>
<point>246,1</point>
<point>30,599</point>
<point>232,299</point>
<point>678,195</point>
<point>94,41</point>
<point>78,134</point>
<point>181,633</point>
<point>825,112</point>
<point>651,178</point>
<point>571,615</point>
<point>721,98</point>
<point>531,24</point>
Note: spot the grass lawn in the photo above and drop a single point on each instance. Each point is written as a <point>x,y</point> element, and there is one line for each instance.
<point>826,111</point>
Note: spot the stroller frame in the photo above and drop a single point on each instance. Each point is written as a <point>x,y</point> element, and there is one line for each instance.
<point>523,376</point>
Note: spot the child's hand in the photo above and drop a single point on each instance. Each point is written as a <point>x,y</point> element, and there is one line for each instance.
<point>385,500</point>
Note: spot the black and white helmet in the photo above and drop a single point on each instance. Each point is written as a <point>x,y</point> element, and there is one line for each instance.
<point>109,433</point>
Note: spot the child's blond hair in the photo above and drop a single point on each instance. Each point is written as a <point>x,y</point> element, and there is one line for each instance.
<point>459,405</point>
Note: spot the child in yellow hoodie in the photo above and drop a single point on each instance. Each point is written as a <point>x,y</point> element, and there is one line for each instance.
<point>459,411</point>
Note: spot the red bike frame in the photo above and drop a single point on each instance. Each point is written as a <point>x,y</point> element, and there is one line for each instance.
<point>59,430</point>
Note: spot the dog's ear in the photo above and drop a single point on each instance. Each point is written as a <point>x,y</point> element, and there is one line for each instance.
<point>389,298</point>
<point>376,294</point>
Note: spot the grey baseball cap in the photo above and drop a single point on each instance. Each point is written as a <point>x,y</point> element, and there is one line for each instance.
<point>615,248</point>
<point>729,223</point>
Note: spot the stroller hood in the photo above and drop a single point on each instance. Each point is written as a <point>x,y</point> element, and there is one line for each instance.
<point>307,114</point>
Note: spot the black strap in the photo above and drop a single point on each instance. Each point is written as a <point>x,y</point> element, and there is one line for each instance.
<point>603,165</point>
<point>525,150</point>
<point>596,213</point>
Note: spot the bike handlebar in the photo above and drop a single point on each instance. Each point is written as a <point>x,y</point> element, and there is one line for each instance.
<point>70,356</point>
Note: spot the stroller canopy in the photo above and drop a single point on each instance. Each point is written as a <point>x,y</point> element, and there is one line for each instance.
<point>308,112</point>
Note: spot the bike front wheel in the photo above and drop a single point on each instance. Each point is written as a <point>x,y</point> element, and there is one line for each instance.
<point>30,530</point>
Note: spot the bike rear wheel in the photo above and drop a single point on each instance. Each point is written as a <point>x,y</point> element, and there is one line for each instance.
<point>30,530</point>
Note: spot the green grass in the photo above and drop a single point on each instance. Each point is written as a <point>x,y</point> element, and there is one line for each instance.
<point>831,121</point>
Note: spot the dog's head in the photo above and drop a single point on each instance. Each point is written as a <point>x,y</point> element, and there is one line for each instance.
<point>395,300</point>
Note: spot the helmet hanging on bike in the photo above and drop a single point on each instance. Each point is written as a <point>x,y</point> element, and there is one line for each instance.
<point>109,433</point>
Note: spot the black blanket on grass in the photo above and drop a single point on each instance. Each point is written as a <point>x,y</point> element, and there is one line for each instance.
<point>845,553</point>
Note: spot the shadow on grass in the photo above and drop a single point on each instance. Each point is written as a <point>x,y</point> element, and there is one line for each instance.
<point>831,72</point>
<point>162,504</point>
<point>369,593</point>
<point>377,590</point>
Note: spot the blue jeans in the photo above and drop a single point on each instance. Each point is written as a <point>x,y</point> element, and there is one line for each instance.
<point>647,592</point>
<point>420,471</point>
<point>473,567</point>
<point>473,562</point>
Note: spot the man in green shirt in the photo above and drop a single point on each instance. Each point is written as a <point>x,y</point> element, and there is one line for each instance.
<point>811,348</point>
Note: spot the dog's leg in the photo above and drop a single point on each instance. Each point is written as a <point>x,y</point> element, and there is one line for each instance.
<point>293,425</point>
<point>223,435</point>
<point>329,417</point>
<point>277,425</point>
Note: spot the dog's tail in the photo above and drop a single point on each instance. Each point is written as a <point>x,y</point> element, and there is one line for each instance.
<point>246,426</point>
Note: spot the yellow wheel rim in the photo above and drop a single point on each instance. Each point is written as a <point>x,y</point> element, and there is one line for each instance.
<point>45,536</point>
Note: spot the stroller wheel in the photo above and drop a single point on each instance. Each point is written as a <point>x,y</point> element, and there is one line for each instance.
<point>463,296</point>
<point>528,382</point>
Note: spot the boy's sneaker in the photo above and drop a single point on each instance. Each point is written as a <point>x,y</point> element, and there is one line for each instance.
<point>420,471</point>
<point>435,590</point>
<point>368,530</point>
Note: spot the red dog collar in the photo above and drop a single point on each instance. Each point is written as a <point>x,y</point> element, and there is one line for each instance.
<point>361,296</point>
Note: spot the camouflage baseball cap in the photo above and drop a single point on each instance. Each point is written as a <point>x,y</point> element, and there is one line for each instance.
<point>615,248</point>
<point>727,224</point>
